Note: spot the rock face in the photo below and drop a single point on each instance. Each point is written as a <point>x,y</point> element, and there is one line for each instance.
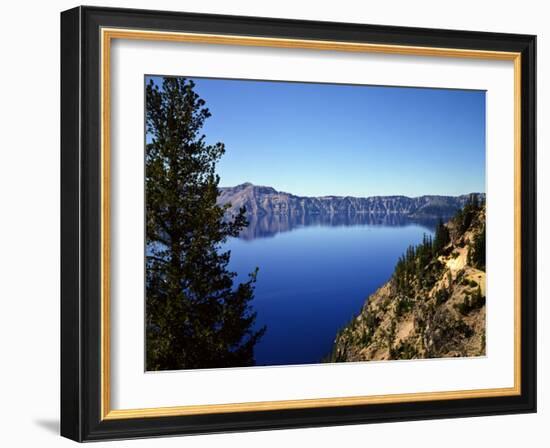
<point>266,201</point>
<point>432,307</point>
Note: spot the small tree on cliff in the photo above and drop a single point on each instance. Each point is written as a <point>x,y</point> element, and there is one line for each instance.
<point>476,254</point>
<point>442,237</point>
<point>195,316</point>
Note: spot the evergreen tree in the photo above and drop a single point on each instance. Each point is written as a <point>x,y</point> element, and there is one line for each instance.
<point>442,237</point>
<point>476,254</point>
<point>464,217</point>
<point>474,201</point>
<point>195,316</point>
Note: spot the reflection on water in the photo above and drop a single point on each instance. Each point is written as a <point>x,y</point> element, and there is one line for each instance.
<point>270,225</point>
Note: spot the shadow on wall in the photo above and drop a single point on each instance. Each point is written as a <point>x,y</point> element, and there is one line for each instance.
<point>51,426</point>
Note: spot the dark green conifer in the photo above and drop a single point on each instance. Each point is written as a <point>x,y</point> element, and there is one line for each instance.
<point>196,317</point>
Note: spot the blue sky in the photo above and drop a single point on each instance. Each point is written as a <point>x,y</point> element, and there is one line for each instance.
<point>329,139</point>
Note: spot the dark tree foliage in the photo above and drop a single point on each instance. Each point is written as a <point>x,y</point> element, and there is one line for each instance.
<point>405,270</point>
<point>476,254</point>
<point>441,238</point>
<point>420,263</point>
<point>442,295</point>
<point>472,301</point>
<point>195,316</point>
<point>463,218</point>
<point>416,264</point>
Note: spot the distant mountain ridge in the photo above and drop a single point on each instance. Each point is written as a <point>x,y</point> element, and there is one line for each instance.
<point>262,201</point>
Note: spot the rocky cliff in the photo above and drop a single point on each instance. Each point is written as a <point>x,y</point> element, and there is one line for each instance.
<point>266,201</point>
<point>434,304</point>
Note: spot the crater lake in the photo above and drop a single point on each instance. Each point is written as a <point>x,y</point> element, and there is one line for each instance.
<point>314,277</point>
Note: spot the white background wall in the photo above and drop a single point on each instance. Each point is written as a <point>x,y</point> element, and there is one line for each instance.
<point>29,227</point>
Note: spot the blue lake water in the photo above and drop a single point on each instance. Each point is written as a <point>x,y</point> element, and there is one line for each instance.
<point>313,279</point>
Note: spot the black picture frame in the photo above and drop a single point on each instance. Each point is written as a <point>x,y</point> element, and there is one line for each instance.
<point>81,224</point>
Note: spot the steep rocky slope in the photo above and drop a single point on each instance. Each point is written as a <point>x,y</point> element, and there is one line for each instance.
<point>266,201</point>
<point>434,304</point>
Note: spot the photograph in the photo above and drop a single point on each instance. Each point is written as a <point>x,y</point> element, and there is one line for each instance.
<point>292,223</point>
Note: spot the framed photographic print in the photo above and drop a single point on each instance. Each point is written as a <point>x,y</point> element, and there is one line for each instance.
<point>273,223</point>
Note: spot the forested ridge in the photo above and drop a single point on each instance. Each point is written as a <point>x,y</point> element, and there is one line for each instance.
<point>434,303</point>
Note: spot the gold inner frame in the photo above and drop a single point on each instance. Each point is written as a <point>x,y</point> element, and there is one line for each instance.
<point>107,35</point>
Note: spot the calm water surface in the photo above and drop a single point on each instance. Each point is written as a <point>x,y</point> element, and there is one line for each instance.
<point>313,279</point>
